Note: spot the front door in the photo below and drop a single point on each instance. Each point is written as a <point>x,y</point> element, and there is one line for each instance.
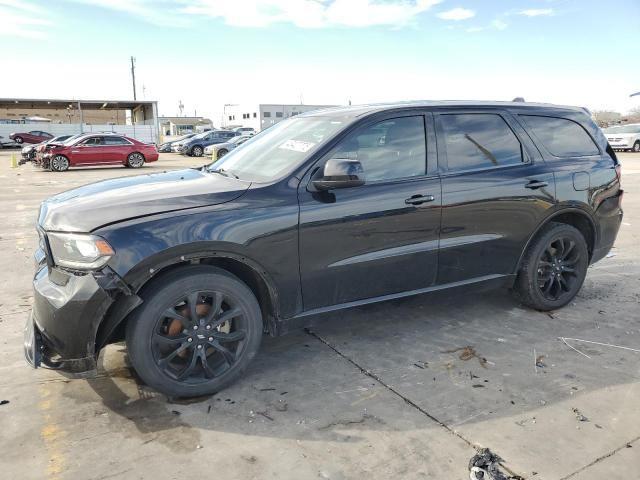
<point>496,189</point>
<point>89,152</point>
<point>380,238</point>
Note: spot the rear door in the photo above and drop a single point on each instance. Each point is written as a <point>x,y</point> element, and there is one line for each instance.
<point>117,148</point>
<point>496,190</point>
<point>380,238</point>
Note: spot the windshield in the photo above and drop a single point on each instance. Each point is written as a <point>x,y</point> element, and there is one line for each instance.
<point>623,129</point>
<point>278,150</point>
<point>70,140</point>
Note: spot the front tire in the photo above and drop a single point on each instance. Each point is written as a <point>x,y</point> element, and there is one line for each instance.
<point>135,160</point>
<point>197,151</point>
<point>221,154</point>
<point>195,333</point>
<point>59,163</point>
<point>553,268</point>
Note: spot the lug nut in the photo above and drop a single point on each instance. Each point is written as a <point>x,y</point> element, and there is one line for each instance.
<point>208,327</point>
<point>195,327</point>
<point>199,347</point>
<point>211,339</point>
<point>189,339</point>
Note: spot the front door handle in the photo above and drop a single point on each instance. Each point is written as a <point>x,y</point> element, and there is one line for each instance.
<point>535,184</point>
<point>419,199</point>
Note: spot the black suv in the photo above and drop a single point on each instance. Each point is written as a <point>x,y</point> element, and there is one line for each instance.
<point>324,211</point>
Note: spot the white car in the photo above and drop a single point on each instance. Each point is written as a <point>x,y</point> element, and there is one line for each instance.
<point>245,130</point>
<point>219,150</point>
<point>624,137</point>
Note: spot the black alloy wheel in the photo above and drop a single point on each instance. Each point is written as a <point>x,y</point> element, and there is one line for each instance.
<point>557,268</point>
<point>195,333</point>
<point>553,267</point>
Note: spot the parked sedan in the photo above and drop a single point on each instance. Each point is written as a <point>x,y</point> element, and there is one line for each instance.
<point>166,146</point>
<point>195,146</point>
<point>29,151</point>
<point>103,149</point>
<point>219,150</point>
<point>34,136</point>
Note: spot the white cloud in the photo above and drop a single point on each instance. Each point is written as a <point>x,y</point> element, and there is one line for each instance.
<point>499,24</point>
<point>537,12</point>
<point>162,12</point>
<point>262,13</point>
<point>22,19</point>
<point>457,14</point>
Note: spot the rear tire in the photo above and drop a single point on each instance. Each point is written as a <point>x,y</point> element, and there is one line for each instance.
<point>636,147</point>
<point>135,160</point>
<point>59,163</point>
<point>222,153</point>
<point>553,267</point>
<point>181,357</point>
<point>18,140</point>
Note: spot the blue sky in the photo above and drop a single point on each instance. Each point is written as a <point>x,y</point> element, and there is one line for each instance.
<point>206,53</point>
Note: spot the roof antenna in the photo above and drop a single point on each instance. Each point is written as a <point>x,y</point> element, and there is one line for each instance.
<point>518,99</point>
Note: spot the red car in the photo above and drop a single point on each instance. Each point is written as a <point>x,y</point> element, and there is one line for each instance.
<point>98,149</point>
<point>34,136</point>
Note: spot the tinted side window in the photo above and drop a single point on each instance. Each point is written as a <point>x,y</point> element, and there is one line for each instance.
<point>561,137</point>
<point>115,141</point>
<point>93,141</point>
<point>478,140</point>
<point>389,149</point>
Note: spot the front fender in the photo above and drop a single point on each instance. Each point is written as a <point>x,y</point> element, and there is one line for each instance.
<point>264,239</point>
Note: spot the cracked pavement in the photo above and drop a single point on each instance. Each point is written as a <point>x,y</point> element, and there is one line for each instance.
<point>382,391</point>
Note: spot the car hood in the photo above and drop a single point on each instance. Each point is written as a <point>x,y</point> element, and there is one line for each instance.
<point>92,206</point>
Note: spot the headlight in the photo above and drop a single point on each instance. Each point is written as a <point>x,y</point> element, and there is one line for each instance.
<point>80,251</point>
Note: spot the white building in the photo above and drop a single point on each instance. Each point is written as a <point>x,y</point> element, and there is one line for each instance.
<point>263,115</point>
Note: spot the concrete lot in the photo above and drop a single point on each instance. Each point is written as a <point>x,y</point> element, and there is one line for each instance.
<point>370,394</point>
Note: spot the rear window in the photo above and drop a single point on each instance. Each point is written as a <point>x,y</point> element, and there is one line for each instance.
<point>479,140</point>
<point>561,137</point>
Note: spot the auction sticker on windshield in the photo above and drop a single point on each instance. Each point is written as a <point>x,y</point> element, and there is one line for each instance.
<point>297,146</point>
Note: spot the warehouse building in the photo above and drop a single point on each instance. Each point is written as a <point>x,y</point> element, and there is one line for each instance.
<point>176,126</point>
<point>263,115</point>
<point>135,118</point>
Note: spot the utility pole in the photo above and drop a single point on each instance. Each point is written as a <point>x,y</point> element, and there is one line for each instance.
<point>133,76</point>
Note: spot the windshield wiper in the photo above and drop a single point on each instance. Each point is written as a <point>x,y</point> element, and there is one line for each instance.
<point>224,172</point>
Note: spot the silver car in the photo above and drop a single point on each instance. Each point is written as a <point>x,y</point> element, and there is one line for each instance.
<point>219,150</point>
<point>624,137</point>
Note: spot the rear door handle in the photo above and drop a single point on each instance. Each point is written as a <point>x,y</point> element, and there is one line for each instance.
<point>535,184</point>
<point>419,199</point>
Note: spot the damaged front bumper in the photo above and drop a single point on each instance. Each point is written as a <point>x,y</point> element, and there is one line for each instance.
<point>68,309</point>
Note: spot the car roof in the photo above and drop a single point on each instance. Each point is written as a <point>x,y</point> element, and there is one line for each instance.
<point>353,111</point>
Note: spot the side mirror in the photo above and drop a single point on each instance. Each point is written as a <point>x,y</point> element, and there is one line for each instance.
<point>340,173</point>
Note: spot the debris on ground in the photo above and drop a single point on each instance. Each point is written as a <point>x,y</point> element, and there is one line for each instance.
<point>467,353</point>
<point>4,402</point>
<point>282,406</point>
<point>539,362</point>
<point>579,416</point>
<point>422,364</point>
<point>266,415</point>
<point>485,465</point>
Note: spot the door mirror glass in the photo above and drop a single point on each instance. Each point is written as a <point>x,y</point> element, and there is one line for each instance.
<point>340,173</point>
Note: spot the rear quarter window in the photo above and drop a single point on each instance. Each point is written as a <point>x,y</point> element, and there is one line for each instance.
<point>560,136</point>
